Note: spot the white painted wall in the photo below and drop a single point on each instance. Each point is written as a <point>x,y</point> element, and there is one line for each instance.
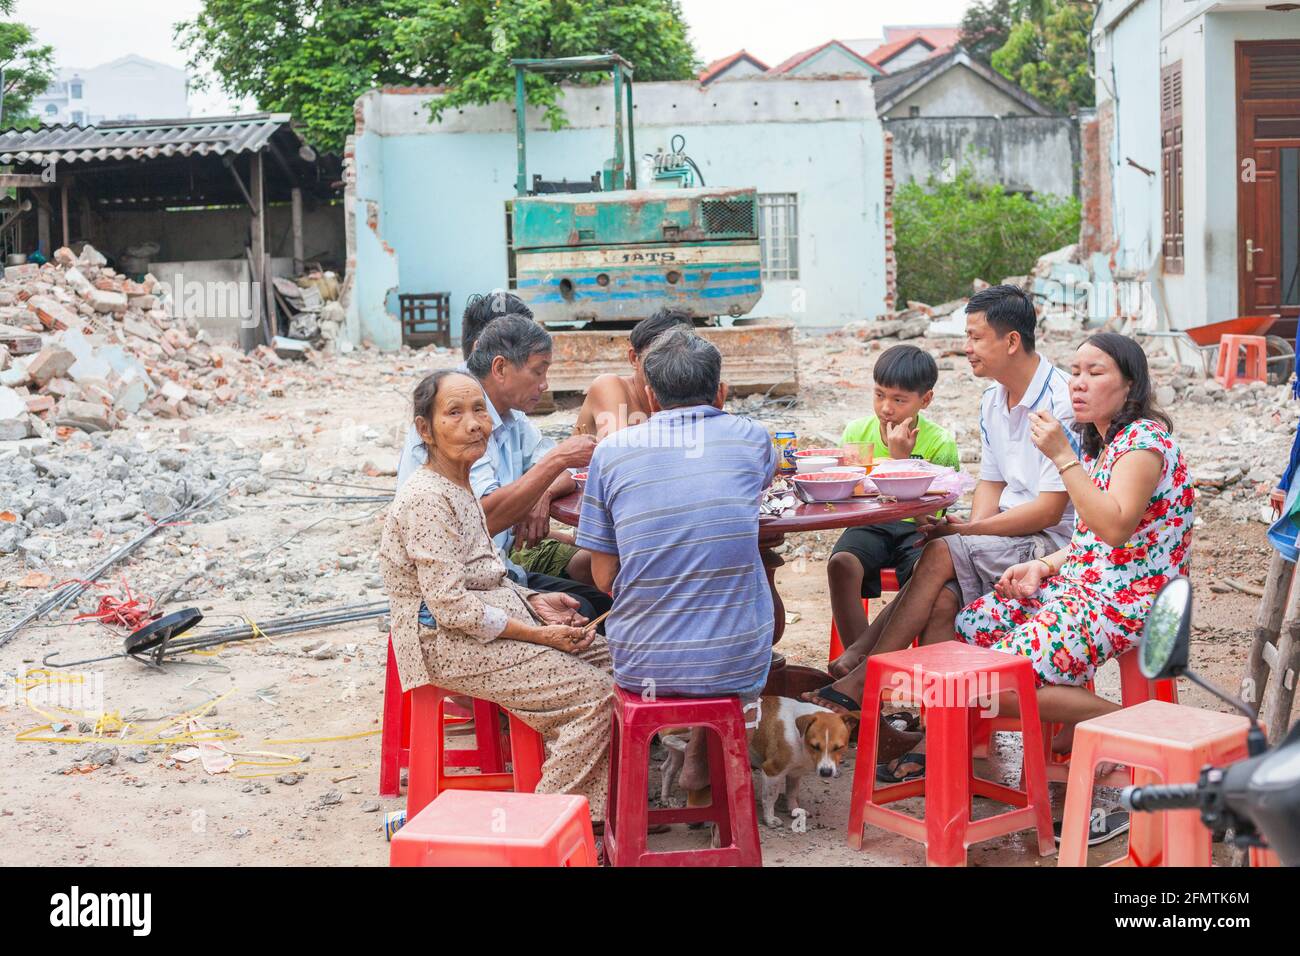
<point>430,198</point>
<point>1128,72</point>
<point>1139,36</point>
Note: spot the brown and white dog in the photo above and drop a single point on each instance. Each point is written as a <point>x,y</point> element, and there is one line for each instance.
<point>794,737</point>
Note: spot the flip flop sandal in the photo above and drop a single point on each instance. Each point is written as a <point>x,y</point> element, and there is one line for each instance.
<point>1112,825</point>
<point>885,775</point>
<point>904,721</point>
<point>835,697</point>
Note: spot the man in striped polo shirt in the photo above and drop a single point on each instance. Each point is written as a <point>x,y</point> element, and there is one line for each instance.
<point>670,515</point>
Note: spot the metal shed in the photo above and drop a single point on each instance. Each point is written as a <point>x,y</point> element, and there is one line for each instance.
<point>209,184</point>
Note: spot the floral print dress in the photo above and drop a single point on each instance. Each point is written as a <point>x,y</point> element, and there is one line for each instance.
<point>1095,607</point>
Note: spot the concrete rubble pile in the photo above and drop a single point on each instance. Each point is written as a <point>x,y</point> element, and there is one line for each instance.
<point>84,347</point>
<point>1067,295</point>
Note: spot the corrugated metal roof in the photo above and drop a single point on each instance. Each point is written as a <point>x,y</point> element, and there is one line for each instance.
<point>140,139</point>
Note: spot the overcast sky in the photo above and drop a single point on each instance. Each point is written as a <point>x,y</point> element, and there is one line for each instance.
<point>89,32</point>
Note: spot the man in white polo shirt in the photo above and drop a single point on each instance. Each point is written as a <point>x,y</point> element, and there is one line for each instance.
<point>1020,511</point>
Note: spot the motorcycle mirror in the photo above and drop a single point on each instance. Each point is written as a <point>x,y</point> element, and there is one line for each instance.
<point>1166,636</point>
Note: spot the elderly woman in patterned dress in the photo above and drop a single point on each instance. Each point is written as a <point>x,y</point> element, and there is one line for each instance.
<point>461,623</point>
<point>1073,610</point>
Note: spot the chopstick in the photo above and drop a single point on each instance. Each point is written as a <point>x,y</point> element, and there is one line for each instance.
<point>592,623</point>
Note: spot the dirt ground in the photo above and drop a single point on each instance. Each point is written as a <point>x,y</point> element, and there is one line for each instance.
<point>325,808</point>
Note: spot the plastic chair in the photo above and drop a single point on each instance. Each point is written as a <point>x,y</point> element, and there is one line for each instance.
<point>948,679</point>
<point>732,810</point>
<point>1255,364</point>
<point>488,754</point>
<point>1163,742</point>
<point>1258,856</point>
<point>428,776</point>
<point>888,585</point>
<point>469,828</point>
<point>1134,688</point>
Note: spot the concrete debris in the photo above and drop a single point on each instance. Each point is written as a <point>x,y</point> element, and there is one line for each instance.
<point>85,335</point>
<point>1069,295</point>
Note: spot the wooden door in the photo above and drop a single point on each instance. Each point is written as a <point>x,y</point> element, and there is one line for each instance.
<point>1268,192</point>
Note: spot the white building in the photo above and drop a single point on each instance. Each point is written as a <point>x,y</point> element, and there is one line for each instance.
<point>427,207</point>
<point>1198,114</point>
<point>130,87</point>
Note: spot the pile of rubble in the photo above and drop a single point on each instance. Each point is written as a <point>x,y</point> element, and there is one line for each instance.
<point>1066,293</point>
<point>85,347</point>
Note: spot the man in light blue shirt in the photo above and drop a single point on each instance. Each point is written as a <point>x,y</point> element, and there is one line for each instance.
<point>479,311</point>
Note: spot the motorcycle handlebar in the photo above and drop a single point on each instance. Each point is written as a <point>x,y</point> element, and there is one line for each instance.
<point>1172,796</point>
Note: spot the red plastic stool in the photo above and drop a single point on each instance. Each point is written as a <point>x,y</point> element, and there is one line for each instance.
<point>473,828</point>
<point>957,674</point>
<point>628,818</point>
<point>1256,359</point>
<point>1258,856</point>
<point>1161,741</point>
<point>488,754</point>
<point>1134,688</point>
<point>428,777</point>
<point>888,585</point>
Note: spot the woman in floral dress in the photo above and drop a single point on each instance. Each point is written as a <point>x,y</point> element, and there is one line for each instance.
<point>1074,610</point>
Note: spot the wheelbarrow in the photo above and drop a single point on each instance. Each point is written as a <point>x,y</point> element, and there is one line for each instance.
<point>1203,340</point>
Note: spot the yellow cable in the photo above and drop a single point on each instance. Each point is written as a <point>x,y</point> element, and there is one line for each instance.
<point>321,740</point>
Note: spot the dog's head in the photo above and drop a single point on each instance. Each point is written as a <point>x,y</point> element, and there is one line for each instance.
<point>826,737</point>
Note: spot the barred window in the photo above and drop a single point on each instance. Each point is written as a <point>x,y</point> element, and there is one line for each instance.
<point>778,234</point>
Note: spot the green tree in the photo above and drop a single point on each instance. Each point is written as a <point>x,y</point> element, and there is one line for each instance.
<point>475,42</point>
<point>313,58</point>
<point>948,233</point>
<point>28,68</point>
<point>1047,55</point>
<point>986,25</point>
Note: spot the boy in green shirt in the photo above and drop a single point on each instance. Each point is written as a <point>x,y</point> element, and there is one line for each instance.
<point>905,377</point>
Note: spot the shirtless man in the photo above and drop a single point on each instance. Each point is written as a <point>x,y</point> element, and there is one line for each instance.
<point>616,401</point>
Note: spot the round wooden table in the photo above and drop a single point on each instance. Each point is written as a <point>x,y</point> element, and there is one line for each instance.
<point>822,516</point>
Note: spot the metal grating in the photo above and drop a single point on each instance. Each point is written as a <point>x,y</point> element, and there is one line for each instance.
<point>728,215</point>
<point>778,235</point>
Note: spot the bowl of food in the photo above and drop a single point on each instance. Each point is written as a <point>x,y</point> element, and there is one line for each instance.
<point>813,463</point>
<point>580,479</point>
<point>903,485</point>
<point>834,485</point>
<point>841,455</point>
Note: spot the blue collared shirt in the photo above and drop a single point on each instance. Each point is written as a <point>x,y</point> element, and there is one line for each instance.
<point>514,446</point>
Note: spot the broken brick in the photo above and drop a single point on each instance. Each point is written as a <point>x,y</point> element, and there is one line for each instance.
<point>50,362</point>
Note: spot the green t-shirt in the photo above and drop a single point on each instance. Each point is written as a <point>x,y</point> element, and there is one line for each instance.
<point>933,442</point>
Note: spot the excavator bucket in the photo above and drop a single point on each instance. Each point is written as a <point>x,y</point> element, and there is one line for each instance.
<point>757,358</point>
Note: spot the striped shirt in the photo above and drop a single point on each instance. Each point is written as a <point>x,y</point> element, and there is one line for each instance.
<point>676,498</point>
<point>1007,454</point>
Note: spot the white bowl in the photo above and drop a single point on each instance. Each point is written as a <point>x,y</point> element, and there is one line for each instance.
<point>904,485</point>
<point>825,486</point>
<point>813,463</point>
<point>856,469</point>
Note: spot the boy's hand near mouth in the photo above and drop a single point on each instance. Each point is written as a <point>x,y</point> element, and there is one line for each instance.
<point>901,438</point>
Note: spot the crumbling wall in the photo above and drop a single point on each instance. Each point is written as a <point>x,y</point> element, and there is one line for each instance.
<point>1037,154</point>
